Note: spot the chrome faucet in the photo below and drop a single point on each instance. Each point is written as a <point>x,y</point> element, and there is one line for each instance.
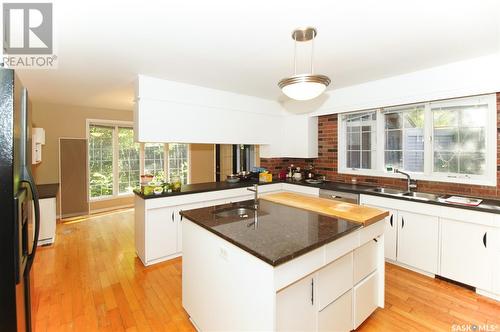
<point>409,185</point>
<point>255,189</point>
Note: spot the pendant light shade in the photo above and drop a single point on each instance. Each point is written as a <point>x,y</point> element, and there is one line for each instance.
<point>304,86</point>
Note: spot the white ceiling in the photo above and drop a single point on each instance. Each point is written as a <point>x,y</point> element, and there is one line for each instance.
<point>245,46</point>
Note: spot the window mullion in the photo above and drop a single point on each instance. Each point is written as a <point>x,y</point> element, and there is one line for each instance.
<point>166,162</point>
<point>428,140</point>
<point>116,155</point>
<point>380,142</point>
<point>141,159</point>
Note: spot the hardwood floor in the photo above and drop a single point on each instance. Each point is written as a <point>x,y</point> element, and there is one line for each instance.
<point>91,280</point>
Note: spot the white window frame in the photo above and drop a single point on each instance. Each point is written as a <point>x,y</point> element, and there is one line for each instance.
<point>120,124</point>
<point>116,155</point>
<point>166,158</point>
<point>488,179</point>
<point>342,141</point>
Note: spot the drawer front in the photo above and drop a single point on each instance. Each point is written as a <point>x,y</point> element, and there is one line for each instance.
<point>365,296</point>
<point>337,316</point>
<point>334,280</point>
<point>365,260</point>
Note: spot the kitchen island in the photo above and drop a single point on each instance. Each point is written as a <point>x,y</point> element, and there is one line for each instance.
<point>277,267</point>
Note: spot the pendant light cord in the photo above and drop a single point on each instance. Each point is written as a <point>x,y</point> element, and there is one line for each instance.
<point>312,55</point>
<point>295,54</point>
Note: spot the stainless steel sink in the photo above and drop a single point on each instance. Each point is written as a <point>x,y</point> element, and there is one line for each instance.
<point>389,191</point>
<point>421,196</point>
<point>242,212</point>
<point>401,193</point>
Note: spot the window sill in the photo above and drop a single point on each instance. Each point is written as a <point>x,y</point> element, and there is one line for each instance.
<point>110,198</point>
<point>491,181</point>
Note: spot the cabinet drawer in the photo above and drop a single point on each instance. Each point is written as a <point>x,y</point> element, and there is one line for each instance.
<point>337,316</point>
<point>365,299</point>
<point>365,260</point>
<point>334,280</point>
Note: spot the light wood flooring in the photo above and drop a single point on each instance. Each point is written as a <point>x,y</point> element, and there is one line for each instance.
<point>91,280</point>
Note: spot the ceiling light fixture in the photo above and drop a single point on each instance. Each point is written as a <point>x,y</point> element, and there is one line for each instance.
<point>304,86</point>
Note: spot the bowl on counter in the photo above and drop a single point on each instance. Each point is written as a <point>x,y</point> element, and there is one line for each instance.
<point>233,178</point>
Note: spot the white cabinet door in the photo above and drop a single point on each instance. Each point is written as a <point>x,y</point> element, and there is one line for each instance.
<point>161,233</point>
<point>418,241</point>
<point>365,297</point>
<point>337,316</point>
<point>391,234</point>
<point>465,255</point>
<point>296,307</point>
<point>47,220</point>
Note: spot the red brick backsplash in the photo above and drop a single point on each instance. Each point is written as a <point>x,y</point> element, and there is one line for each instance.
<point>327,163</point>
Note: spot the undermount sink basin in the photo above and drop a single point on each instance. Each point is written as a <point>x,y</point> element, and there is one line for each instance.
<point>242,212</point>
<point>421,196</point>
<point>389,191</point>
<point>402,193</point>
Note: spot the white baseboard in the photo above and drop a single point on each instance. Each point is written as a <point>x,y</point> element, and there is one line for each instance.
<point>118,207</point>
<point>411,268</point>
<point>488,294</point>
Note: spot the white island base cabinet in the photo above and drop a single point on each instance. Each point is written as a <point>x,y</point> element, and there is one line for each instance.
<point>224,288</point>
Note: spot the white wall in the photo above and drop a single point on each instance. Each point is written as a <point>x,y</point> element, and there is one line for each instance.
<point>475,76</point>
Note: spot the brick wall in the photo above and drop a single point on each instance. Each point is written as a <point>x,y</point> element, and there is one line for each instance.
<point>326,164</point>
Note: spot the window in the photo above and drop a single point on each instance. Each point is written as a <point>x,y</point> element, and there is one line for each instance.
<point>154,156</point>
<point>361,130</point>
<point>116,161</point>
<point>128,161</point>
<point>460,139</point>
<point>451,141</point>
<point>404,139</point>
<point>178,161</point>
<point>100,161</point>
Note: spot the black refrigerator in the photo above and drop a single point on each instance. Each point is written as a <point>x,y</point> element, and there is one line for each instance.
<point>19,222</point>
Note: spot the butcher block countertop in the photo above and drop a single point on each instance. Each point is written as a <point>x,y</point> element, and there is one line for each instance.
<point>347,211</point>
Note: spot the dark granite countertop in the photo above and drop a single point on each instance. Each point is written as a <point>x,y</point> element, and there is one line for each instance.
<point>201,188</point>
<point>48,190</point>
<point>281,234</point>
<point>488,205</point>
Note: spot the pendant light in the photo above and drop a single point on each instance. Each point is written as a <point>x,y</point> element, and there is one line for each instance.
<point>304,86</point>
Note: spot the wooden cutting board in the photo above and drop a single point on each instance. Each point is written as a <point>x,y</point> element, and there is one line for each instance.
<point>352,212</point>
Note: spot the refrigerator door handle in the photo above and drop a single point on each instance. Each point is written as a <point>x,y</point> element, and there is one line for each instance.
<point>28,178</point>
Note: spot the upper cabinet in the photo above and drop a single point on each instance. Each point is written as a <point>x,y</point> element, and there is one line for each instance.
<point>175,112</point>
<point>298,138</point>
<point>168,111</point>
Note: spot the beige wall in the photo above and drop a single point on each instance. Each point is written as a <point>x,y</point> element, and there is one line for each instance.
<point>64,121</point>
<point>202,163</point>
<point>69,121</point>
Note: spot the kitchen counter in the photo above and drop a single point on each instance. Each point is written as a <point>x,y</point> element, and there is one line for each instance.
<point>487,205</point>
<point>47,190</point>
<point>201,188</point>
<point>275,233</point>
<point>363,215</point>
<point>279,268</point>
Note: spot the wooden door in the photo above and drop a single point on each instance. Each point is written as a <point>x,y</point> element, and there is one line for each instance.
<point>73,176</point>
